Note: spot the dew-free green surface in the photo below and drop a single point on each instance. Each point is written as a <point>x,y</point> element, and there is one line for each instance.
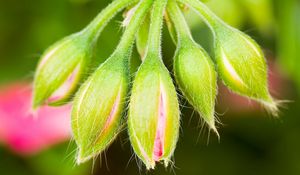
<point>251,143</point>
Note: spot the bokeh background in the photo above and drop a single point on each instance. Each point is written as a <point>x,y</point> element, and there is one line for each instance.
<point>252,142</point>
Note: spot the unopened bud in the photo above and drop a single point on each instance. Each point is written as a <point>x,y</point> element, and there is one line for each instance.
<point>196,76</point>
<point>242,65</point>
<point>98,108</point>
<point>61,69</point>
<point>153,121</point>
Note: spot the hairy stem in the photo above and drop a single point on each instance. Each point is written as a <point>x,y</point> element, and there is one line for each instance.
<point>207,15</point>
<point>100,21</point>
<point>182,28</point>
<point>154,39</point>
<point>128,37</point>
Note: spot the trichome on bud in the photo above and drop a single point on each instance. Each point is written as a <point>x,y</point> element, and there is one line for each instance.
<point>98,107</point>
<point>153,121</point>
<point>154,115</point>
<point>194,70</point>
<point>242,66</point>
<point>61,69</point>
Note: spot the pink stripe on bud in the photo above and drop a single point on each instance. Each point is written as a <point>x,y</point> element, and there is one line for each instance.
<point>113,112</point>
<point>65,88</point>
<point>161,126</point>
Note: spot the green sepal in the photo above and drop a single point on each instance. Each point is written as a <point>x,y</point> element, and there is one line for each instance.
<point>197,79</point>
<point>67,58</point>
<point>98,107</point>
<point>153,86</point>
<point>242,65</point>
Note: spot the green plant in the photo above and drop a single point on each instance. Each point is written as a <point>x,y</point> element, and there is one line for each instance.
<point>154,116</point>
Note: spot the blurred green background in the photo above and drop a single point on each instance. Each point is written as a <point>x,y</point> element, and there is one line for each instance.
<point>251,142</point>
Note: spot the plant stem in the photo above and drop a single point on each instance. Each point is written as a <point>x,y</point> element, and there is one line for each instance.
<point>181,26</point>
<point>128,37</point>
<point>207,15</point>
<point>155,31</point>
<point>100,21</point>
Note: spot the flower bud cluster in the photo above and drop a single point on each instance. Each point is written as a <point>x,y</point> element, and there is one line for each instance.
<point>100,98</point>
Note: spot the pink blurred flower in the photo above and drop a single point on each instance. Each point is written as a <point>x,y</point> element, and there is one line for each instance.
<point>24,132</point>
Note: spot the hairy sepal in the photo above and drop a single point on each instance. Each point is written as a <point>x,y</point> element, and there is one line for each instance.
<point>153,110</point>
<point>242,66</point>
<point>61,69</point>
<point>98,108</point>
<point>196,76</point>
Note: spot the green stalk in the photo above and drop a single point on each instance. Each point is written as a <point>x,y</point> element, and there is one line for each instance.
<point>100,21</point>
<point>154,39</point>
<point>178,20</point>
<point>212,20</point>
<point>193,69</point>
<point>128,37</point>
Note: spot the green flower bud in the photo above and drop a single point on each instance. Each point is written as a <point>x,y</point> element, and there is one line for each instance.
<point>98,107</point>
<point>153,121</point>
<point>242,65</point>
<point>194,70</point>
<point>63,65</point>
<point>241,62</point>
<point>196,76</point>
<point>61,69</point>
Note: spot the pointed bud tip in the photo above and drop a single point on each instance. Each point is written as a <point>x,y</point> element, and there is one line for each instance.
<point>272,106</point>
<point>82,157</point>
<point>212,126</point>
<point>150,166</point>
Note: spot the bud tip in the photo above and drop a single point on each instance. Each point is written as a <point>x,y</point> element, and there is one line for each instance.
<point>212,126</point>
<point>82,158</point>
<point>272,106</point>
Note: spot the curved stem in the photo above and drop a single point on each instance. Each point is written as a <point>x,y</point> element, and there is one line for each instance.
<point>212,20</point>
<point>128,37</point>
<point>100,21</point>
<point>155,31</point>
<point>181,26</point>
